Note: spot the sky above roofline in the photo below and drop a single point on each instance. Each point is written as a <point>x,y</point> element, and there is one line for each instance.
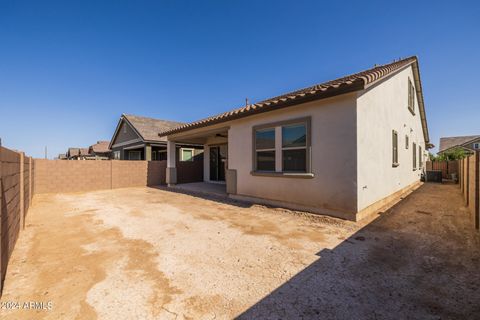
<point>70,69</point>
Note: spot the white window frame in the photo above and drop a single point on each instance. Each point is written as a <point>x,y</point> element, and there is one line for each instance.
<point>420,157</point>
<point>476,145</point>
<point>187,149</point>
<point>411,97</point>
<point>395,149</point>
<point>414,155</point>
<point>116,155</point>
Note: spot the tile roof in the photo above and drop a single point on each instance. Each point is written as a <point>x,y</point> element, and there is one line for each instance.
<point>450,142</point>
<point>84,151</point>
<point>148,128</point>
<point>350,83</point>
<point>72,152</point>
<point>100,147</point>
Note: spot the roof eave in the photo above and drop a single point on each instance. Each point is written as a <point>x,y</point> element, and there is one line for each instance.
<point>419,92</point>
<point>332,92</point>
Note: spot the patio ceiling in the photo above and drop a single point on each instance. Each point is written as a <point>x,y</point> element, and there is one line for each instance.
<point>199,137</point>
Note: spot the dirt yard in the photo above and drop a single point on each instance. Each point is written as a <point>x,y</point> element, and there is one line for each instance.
<point>144,253</point>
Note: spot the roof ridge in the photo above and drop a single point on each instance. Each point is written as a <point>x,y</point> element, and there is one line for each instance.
<point>150,118</point>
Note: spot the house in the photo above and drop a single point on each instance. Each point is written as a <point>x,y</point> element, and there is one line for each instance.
<point>136,138</point>
<point>468,143</point>
<point>77,154</point>
<point>72,153</point>
<point>84,154</point>
<point>343,147</point>
<point>99,151</point>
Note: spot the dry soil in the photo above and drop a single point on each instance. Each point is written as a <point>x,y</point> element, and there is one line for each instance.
<point>145,253</point>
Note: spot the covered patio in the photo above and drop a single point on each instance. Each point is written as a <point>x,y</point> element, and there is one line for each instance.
<point>215,161</point>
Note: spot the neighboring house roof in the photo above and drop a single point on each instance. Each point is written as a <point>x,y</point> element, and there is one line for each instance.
<point>351,83</point>
<point>72,152</point>
<point>100,147</point>
<point>450,142</point>
<point>84,151</point>
<point>146,128</point>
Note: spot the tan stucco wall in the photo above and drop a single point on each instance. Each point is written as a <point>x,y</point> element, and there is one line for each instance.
<point>333,126</point>
<point>381,109</point>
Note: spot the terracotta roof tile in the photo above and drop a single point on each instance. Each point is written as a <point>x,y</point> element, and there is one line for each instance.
<point>350,83</point>
<point>100,147</point>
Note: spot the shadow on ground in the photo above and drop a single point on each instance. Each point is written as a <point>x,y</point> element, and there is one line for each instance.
<point>207,196</point>
<point>419,260</point>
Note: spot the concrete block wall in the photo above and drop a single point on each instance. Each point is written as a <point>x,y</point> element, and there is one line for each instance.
<point>16,192</point>
<point>129,173</point>
<point>53,176</point>
<point>470,186</point>
<point>62,176</point>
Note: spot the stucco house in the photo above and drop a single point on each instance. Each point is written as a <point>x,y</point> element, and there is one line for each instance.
<point>468,143</point>
<point>343,148</point>
<point>136,138</point>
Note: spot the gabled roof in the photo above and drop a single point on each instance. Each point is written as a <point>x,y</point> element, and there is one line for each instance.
<point>450,142</point>
<point>354,82</point>
<point>72,152</point>
<point>100,147</point>
<point>146,128</point>
<point>84,151</point>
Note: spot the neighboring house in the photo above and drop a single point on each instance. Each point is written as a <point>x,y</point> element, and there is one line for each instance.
<point>72,153</point>
<point>62,156</point>
<point>99,151</point>
<point>84,154</point>
<point>342,148</point>
<point>468,143</point>
<point>136,138</point>
<point>77,154</point>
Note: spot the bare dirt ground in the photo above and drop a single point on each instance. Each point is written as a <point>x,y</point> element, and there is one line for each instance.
<point>143,253</point>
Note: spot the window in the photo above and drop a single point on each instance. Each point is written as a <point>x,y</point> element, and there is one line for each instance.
<point>414,149</point>
<point>394,148</point>
<point>265,149</point>
<point>116,155</point>
<point>420,158</point>
<point>476,145</point>
<point>283,147</point>
<point>411,97</point>
<point>134,155</point>
<point>162,155</point>
<point>294,148</point>
<point>154,155</point>
<point>406,142</point>
<point>186,154</point>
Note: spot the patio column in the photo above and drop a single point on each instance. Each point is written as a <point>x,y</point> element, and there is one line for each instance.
<point>148,152</point>
<point>171,174</point>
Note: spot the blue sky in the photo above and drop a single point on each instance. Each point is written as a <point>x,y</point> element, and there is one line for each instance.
<point>69,69</point>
